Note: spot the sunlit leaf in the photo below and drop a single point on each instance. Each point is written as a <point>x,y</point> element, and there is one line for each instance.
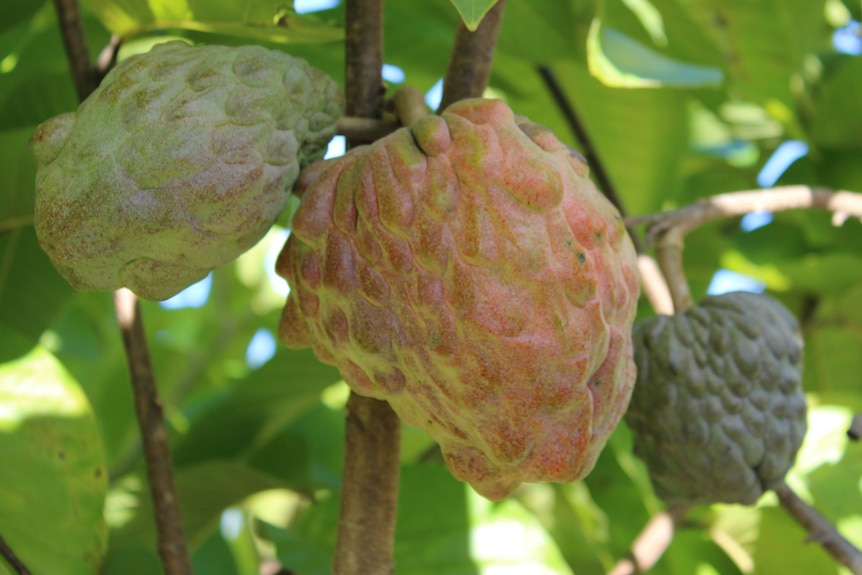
<point>472,11</point>
<point>53,475</point>
<point>618,60</point>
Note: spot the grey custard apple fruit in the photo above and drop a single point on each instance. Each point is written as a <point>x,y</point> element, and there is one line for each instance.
<point>179,162</point>
<point>718,412</point>
<point>467,271</point>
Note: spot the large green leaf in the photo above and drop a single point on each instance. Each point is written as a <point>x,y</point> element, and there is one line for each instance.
<point>53,478</point>
<point>31,290</point>
<point>764,43</point>
<point>256,409</point>
<point>838,121</point>
<point>261,20</point>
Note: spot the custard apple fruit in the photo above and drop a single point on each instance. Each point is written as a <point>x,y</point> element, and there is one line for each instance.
<point>179,162</point>
<point>718,412</point>
<point>468,272</point>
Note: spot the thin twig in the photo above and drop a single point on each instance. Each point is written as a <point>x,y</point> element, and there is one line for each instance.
<point>72,29</point>
<point>369,495</point>
<point>172,546</point>
<point>820,529</point>
<point>652,541</point>
<point>855,430</point>
<point>12,559</point>
<point>667,230</point>
<point>470,61</point>
<point>842,203</point>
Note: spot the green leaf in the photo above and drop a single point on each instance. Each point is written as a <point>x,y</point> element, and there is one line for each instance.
<point>14,11</point>
<point>53,479</point>
<point>472,11</point>
<point>204,492</point>
<point>31,290</point>
<point>261,20</point>
<point>17,178</point>
<point>638,133</point>
<point>837,113</point>
<point>472,537</point>
<point>224,426</point>
<point>618,60</point>
<point>764,43</point>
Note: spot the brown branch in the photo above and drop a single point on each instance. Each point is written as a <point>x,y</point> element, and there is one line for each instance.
<point>171,543</point>
<point>820,529</point>
<point>842,203</point>
<point>667,230</point>
<point>470,61</point>
<point>369,495</point>
<point>363,58</point>
<point>12,559</point>
<point>72,29</point>
<point>855,430</point>
<point>652,541</point>
<point>172,547</point>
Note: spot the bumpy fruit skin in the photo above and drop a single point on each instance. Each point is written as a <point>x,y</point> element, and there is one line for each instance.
<point>468,272</point>
<point>718,411</point>
<point>179,162</point>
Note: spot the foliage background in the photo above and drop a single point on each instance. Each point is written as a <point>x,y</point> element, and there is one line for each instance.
<point>683,99</point>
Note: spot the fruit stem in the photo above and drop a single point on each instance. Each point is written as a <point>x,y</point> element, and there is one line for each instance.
<point>820,529</point>
<point>470,61</point>
<point>409,104</point>
<point>369,495</point>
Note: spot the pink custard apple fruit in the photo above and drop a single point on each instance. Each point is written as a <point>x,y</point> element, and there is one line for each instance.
<point>468,272</point>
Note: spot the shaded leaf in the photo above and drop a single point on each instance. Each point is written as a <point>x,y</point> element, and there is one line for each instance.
<point>225,425</point>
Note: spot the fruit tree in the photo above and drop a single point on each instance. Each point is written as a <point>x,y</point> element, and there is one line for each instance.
<point>434,286</point>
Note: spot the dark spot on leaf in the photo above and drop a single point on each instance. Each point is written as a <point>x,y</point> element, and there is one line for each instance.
<point>61,455</point>
<point>98,473</point>
<point>582,258</point>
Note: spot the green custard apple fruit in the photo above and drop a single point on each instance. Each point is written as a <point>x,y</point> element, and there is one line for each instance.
<point>718,412</point>
<point>467,271</point>
<point>179,162</point>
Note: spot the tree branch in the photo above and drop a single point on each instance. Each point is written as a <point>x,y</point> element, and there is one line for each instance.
<point>855,430</point>
<point>667,230</point>
<point>470,61</point>
<point>171,543</point>
<point>652,541</point>
<point>369,496</point>
<point>820,529</point>
<point>83,73</point>
<point>12,559</point>
<point>172,546</point>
